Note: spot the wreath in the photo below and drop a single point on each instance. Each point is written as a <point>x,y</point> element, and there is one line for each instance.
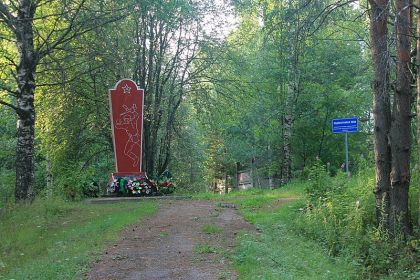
<point>141,185</point>
<point>131,185</point>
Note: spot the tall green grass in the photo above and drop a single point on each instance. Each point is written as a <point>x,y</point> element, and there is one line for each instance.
<point>278,250</point>
<point>329,232</point>
<point>340,215</point>
<point>53,239</point>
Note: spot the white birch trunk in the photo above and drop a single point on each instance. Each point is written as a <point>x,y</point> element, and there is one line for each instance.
<point>25,175</point>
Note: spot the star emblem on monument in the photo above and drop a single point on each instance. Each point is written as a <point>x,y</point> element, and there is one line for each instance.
<point>127,89</point>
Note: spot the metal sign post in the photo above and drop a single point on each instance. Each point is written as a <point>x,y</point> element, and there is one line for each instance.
<point>347,152</point>
<point>345,125</point>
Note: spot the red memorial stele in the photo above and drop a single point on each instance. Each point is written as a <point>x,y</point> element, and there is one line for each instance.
<point>126,105</point>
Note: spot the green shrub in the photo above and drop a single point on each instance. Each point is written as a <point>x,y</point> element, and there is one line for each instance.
<point>340,214</point>
<point>73,184</point>
<point>7,187</point>
<point>319,181</point>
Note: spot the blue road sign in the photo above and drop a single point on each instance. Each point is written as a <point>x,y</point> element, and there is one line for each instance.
<point>345,125</point>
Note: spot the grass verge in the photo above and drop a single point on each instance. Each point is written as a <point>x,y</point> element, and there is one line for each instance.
<point>278,251</point>
<point>52,239</point>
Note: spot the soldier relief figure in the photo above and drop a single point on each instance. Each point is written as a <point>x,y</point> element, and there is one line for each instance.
<point>127,121</point>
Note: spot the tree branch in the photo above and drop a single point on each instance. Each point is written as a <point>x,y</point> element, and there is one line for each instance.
<point>12,92</point>
<point>7,16</point>
<point>74,30</point>
<point>11,106</point>
<point>62,38</point>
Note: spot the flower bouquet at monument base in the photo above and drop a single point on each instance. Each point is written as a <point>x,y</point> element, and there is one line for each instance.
<point>131,186</point>
<point>165,183</point>
<point>166,187</point>
<point>141,185</point>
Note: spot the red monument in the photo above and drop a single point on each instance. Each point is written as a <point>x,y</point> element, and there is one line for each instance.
<point>126,103</point>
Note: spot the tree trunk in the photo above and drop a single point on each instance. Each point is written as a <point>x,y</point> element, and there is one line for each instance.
<point>401,123</point>
<point>165,148</point>
<point>418,94</point>
<point>381,107</point>
<point>252,172</point>
<point>191,173</point>
<point>270,172</point>
<point>48,177</point>
<point>226,181</point>
<point>324,129</point>
<point>25,175</point>
<point>238,168</point>
<point>293,85</point>
<point>288,121</point>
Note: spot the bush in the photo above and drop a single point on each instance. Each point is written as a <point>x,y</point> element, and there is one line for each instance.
<point>7,187</point>
<point>74,184</point>
<point>319,182</point>
<point>340,213</point>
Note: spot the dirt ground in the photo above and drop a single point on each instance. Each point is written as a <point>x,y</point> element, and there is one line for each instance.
<point>172,244</point>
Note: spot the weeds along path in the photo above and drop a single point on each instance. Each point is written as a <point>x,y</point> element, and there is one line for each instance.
<point>185,239</point>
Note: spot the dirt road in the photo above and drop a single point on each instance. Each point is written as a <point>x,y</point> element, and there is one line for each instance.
<point>185,239</point>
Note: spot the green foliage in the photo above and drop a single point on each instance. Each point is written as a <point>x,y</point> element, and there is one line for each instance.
<point>278,253</point>
<point>188,152</point>
<point>60,239</point>
<point>332,237</point>
<point>75,183</point>
<point>343,220</point>
<point>318,181</point>
<point>7,155</point>
<point>279,250</point>
<point>164,234</point>
<point>231,102</point>
<point>221,102</point>
<point>243,98</point>
<point>7,187</point>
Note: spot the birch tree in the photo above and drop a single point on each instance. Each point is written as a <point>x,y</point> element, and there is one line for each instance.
<point>418,91</point>
<point>168,37</point>
<point>33,40</point>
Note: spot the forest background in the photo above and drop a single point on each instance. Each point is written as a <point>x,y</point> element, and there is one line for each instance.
<point>261,87</point>
<point>249,82</point>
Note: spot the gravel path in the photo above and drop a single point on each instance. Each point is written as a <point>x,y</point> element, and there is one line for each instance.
<point>173,245</point>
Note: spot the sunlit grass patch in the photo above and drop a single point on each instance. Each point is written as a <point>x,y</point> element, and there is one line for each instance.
<point>294,189</point>
<point>277,252</point>
<point>329,233</point>
<point>211,229</point>
<point>53,239</point>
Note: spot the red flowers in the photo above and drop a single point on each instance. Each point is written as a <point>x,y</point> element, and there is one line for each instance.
<point>166,184</point>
